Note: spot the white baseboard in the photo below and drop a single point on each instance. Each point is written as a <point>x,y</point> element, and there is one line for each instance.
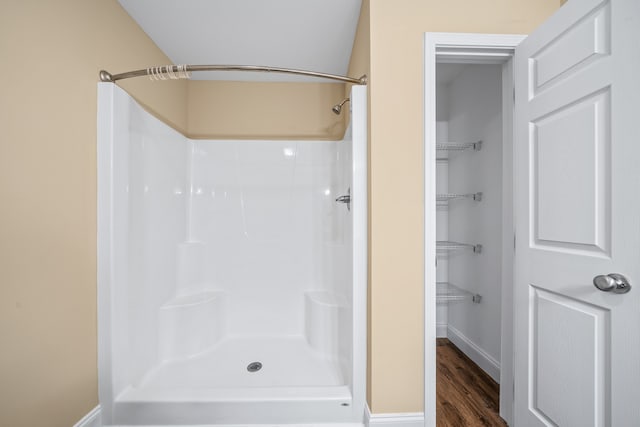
<point>488,364</point>
<point>402,419</point>
<point>92,419</point>
<point>441,330</point>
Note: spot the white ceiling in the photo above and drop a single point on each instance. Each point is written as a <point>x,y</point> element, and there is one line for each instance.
<point>314,35</point>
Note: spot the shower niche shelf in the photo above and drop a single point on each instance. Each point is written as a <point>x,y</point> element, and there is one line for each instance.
<point>447,245</point>
<point>186,313</point>
<point>447,292</point>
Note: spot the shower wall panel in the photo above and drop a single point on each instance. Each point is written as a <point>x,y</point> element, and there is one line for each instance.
<point>339,249</point>
<point>157,181</point>
<point>264,212</point>
<point>148,210</point>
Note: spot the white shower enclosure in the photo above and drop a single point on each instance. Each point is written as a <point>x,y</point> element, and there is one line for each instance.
<point>231,283</point>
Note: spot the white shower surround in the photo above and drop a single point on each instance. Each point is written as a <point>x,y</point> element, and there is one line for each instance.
<point>215,254</point>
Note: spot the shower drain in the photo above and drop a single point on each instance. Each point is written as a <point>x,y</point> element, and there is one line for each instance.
<point>254,366</point>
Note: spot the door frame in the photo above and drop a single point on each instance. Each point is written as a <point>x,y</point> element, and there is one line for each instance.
<point>473,49</point>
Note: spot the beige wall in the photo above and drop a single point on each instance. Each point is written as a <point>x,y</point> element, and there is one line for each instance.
<point>259,110</point>
<point>48,180</point>
<point>394,56</point>
<point>50,55</point>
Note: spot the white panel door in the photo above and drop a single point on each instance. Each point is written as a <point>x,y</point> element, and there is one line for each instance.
<point>577,142</point>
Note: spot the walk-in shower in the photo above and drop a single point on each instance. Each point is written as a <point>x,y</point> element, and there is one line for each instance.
<point>231,280</point>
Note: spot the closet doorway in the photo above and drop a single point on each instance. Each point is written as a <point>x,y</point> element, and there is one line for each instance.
<point>469,221</point>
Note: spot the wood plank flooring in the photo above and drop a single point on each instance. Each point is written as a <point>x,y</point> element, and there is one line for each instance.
<point>466,395</point>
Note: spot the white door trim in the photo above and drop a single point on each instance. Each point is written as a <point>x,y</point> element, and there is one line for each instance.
<point>470,48</point>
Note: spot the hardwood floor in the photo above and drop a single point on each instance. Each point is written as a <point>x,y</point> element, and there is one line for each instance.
<point>466,395</point>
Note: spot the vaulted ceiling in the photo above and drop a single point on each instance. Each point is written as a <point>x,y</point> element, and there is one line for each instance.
<point>312,35</point>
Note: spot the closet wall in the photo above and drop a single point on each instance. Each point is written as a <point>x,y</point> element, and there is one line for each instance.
<point>474,105</point>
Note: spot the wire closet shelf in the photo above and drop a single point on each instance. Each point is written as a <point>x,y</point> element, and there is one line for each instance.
<point>447,245</point>
<point>459,146</point>
<point>175,72</point>
<point>445,197</point>
<point>447,292</point>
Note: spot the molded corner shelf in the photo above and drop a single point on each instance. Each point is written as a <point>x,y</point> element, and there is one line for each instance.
<point>325,298</point>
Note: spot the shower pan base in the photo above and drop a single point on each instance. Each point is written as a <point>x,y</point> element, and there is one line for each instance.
<point>215,387</point>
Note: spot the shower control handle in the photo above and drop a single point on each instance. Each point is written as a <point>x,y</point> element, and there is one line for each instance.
<point>612,282</point>
<point>345,199</point>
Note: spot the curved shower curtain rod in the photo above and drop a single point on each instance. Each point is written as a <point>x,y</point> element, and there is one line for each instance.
<point>174,72</point>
